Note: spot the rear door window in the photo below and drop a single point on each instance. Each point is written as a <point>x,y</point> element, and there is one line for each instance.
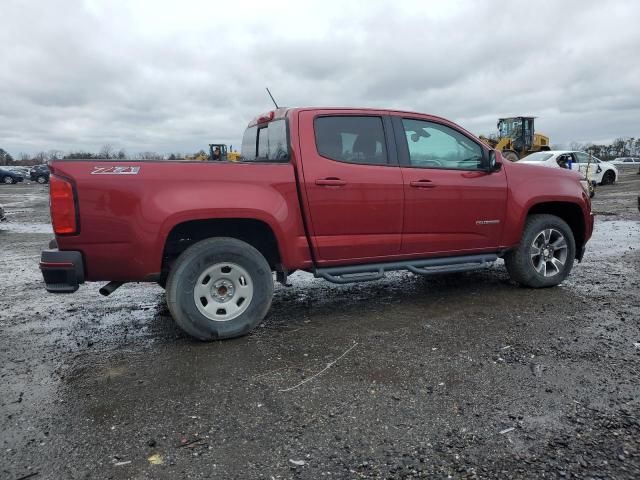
<point>265,143</point>
<point>351,139</point>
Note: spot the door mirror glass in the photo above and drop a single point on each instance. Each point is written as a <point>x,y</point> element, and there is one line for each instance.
<point>493,163</point>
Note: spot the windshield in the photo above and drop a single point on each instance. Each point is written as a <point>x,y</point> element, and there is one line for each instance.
<point>538,157</point>
<point>509,127</point>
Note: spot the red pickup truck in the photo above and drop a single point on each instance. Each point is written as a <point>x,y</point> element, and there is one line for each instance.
<point>347,194</point>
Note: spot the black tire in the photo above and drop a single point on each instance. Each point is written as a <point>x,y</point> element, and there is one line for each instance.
<point>608,178</point>
<point>520,262</point>
<point>193,263</point>
<point>8,180</point>
<point>41,179</point>
<point>510,155</point>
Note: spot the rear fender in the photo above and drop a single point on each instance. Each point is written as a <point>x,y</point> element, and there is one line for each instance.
<point>254,203</point>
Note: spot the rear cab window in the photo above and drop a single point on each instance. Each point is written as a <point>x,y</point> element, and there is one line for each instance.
<point>265,142</point>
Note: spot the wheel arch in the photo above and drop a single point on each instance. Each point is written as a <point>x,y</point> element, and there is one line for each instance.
<point>567,211</point>
<point>256,233</point>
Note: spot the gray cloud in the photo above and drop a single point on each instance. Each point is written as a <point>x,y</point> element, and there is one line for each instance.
<point>174,76</point>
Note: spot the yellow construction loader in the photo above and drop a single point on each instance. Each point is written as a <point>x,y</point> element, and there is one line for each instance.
<point>517,138</point>
<point>218,152</point>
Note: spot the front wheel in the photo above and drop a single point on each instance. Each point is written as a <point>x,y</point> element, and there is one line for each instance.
<point>219,288</point>
<point>41,179</point>
<point>7,180</point>
<point>545,255</point>
<point>608,178</point>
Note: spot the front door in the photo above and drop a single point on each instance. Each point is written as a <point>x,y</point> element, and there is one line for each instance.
<point>452,205</point>
<point>353,186</point>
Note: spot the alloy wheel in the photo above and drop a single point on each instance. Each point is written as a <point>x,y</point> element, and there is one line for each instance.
<point>549,251</point>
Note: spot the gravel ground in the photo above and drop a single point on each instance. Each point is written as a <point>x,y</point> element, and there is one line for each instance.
<point>456,376</point>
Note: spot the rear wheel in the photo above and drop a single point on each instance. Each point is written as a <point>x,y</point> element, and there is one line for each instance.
<point>7,180</point>
<point>545,255</point>
<point>608,178</point>
<point>510,155</point>
<point>219,288</point>
<point>41,179</point>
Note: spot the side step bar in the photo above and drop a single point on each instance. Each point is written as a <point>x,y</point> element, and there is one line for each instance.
<point>376,271</point>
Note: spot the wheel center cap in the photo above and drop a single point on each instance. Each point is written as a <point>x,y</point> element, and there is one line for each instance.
<point>546,252</point>
<point>222,291</point>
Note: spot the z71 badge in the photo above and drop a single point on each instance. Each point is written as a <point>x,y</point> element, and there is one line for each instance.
<point>115,170</point>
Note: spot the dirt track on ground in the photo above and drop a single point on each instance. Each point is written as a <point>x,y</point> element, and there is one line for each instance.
<point>462,376</point>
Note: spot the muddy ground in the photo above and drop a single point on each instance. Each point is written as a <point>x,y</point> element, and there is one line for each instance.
<point>457,376</point>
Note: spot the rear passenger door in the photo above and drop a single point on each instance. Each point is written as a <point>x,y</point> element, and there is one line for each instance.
<point>352,185</point>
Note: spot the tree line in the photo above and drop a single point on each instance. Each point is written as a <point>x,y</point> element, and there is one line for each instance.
<point>107,152</point>
<point>620,147</point>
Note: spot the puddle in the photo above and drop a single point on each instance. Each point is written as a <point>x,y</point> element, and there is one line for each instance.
<point>18,227</point>
<point>613,237</point>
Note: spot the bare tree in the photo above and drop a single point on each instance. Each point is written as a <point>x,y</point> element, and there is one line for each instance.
<point>618,146</point>
<point>106,151</point>
<point>5,157</point>
<point>55,154</point>
<point>593,150</point>
<point>122,154</point>
<point>149,156</point>
<point>80,155</point>
<point>630,143</point>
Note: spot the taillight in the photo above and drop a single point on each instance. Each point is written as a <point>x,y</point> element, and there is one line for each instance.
<point>63,206</point>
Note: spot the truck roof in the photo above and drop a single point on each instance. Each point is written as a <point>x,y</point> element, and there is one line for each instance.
<point>282,112</point>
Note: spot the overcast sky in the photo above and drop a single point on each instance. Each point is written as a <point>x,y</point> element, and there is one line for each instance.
<point>177,75</point>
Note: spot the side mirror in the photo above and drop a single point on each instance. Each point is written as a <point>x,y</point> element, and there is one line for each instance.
<point>493,164</point>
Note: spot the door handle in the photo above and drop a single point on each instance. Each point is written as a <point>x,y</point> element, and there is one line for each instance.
<point>422,184</point>
<point>331,182</point>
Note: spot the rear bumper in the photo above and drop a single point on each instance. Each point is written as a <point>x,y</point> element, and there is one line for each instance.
<point>63,272</point>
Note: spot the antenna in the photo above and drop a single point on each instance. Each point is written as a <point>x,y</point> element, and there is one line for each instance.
<point>272,99</point>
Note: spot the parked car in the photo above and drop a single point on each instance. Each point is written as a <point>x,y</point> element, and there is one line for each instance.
<point>346,194</point>
<point>603,173</point>
<point>40,173</point>
<point>8,177</point>
<point>631,161</point>
<point>24,171</point>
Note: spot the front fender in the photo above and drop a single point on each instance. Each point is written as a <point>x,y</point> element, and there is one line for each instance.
<point>532,185</point>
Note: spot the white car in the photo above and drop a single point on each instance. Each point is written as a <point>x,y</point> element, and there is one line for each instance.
<point>603,173</point>
<point>626,161</point>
